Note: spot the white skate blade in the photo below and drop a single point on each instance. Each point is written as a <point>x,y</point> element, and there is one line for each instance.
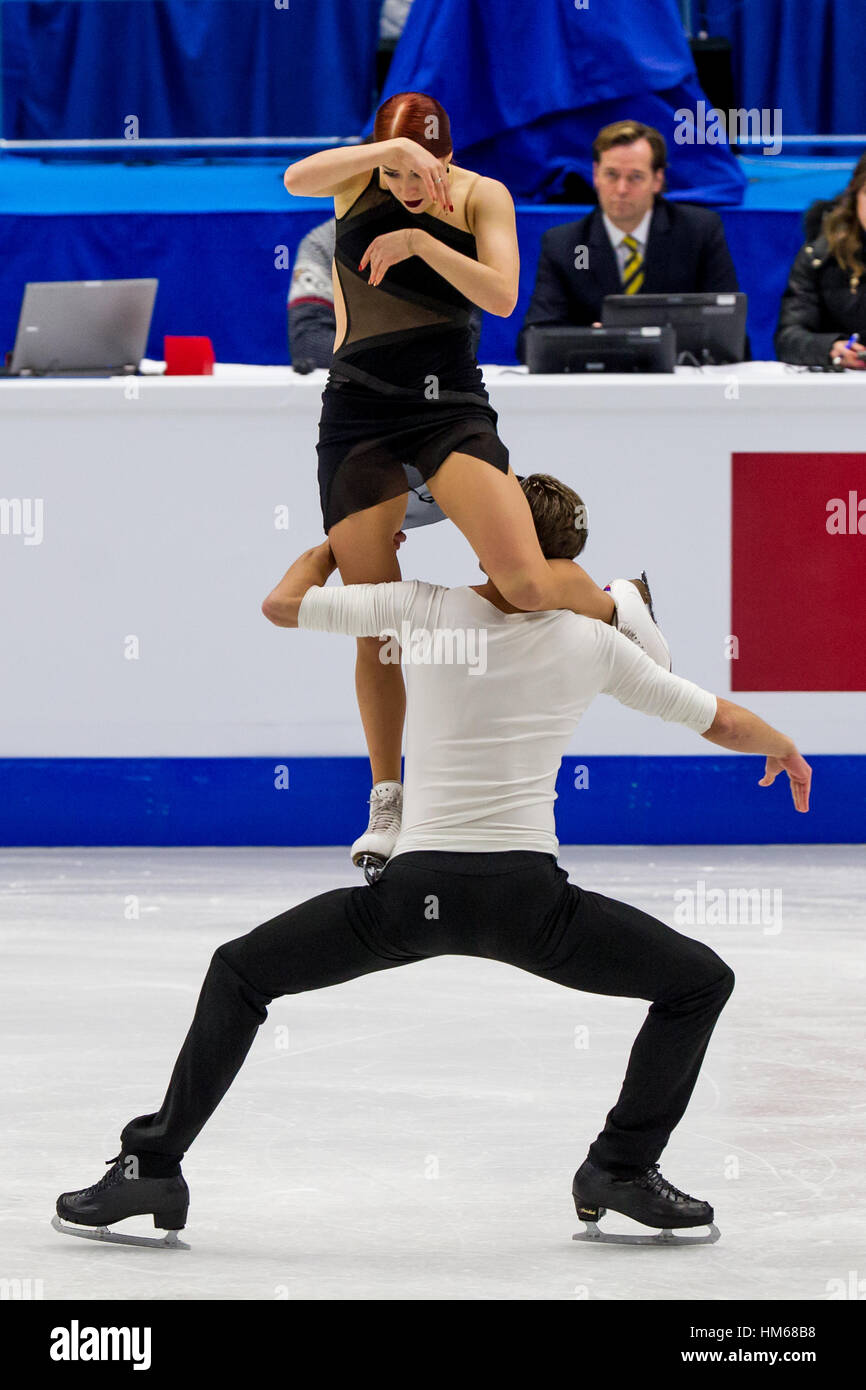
<point>592,1233</point>
<point>170,1241</point>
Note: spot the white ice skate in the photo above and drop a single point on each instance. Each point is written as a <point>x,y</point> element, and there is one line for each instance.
<point>372,850</point>
<point>635,619</point>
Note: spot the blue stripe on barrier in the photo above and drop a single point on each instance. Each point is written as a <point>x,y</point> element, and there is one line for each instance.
<point>238,801</point>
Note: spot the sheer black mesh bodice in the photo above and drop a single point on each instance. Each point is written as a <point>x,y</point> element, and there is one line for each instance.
<point>415,324</point>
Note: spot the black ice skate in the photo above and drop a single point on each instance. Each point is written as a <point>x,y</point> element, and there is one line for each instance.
<point>119,1195</point>
<point>649,1199</point>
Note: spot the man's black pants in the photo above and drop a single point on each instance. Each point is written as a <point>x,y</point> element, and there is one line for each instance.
<point>517,907</point>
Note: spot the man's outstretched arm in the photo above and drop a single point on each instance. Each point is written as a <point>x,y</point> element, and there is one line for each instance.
<point>638,682</point>
<point>744,732</point>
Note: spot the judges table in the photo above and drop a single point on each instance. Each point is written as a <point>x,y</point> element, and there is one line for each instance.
<point>144,520</point>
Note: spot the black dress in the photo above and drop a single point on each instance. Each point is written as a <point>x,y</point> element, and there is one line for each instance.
<point>404,389</point>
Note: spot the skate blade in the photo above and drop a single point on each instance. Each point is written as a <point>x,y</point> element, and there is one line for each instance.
<point>649,597</point>
<point>649,603</point>
<point>170,1241</point>
<point>372,864</point>
<point>591,1232</point>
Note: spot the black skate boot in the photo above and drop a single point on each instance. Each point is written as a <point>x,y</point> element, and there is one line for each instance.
<point>649,1198</point>
<point>120,1194</point>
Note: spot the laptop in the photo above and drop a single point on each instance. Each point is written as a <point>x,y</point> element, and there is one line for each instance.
<point>82,328</point>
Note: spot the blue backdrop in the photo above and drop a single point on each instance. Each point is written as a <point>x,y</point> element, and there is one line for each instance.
<point>806,57</point>
<point>74,69</point>
<point>528,85</point>
<point>187,68</point>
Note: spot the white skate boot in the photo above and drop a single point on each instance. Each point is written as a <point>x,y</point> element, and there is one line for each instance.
<point>635,619</point>
<point>372,850</point>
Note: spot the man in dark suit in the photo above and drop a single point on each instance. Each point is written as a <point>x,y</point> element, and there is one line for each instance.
<point>635,242</point>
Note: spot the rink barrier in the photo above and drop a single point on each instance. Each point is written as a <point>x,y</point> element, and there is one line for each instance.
<point>323,801</point>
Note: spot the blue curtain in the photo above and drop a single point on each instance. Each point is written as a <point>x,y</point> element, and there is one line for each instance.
<point>527,86</point>
<point>186,68</point>
<point>804,57</point>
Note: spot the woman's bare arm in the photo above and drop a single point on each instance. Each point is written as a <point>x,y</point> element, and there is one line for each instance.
<point>321,175</point>
<point>491,281</point>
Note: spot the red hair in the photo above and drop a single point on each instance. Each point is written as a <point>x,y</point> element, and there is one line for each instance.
<point>418,117</point>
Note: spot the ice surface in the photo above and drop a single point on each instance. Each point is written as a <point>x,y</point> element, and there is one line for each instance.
<point>413,1135</point>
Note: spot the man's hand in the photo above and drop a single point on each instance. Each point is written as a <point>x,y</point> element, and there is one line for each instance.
<point>399,538</point>
<point>799,775</point>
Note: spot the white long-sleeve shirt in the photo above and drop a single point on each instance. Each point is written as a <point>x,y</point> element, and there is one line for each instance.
<point>492,701</point>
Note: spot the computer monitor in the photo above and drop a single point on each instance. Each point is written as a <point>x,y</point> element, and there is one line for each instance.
<point>570,349</point>
<point>710,328</point>
<point>82,327</point>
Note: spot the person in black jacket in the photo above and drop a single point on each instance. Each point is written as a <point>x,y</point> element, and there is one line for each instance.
<point>634,242</point>
<point>825,301</point>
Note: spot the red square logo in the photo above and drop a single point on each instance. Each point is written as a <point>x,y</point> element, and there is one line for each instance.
<point>798,571</point>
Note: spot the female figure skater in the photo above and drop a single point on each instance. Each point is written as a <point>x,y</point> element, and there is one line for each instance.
<point>418,241</point>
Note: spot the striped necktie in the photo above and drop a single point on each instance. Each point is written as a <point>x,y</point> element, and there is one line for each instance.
<point>632,275</point>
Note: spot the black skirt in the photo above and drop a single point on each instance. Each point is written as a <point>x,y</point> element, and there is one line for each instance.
<point>374,446</point>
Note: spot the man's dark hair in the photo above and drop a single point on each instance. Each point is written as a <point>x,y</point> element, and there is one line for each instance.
<point>559,515</point>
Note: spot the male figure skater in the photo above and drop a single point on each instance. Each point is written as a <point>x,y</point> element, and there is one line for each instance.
<point>474,872</point>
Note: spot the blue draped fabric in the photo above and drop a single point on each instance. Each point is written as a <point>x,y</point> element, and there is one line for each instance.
<point>804,57</point>
<point>186,68</point>
<point>527,87</point>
